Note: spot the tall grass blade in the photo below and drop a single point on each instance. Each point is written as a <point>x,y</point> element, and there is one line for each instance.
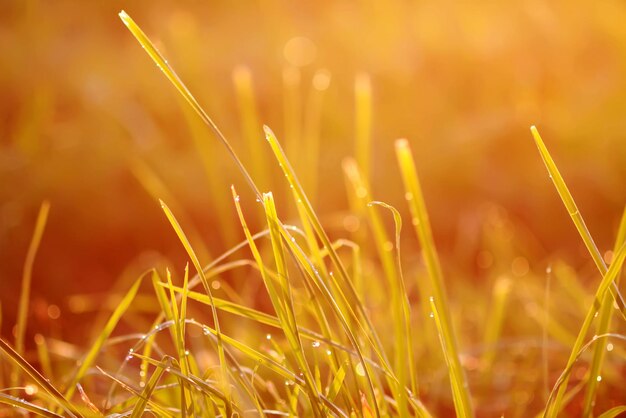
<point>363,123</point>
<point>91,355</point>
<point>39,379</point>
<point>30,407</point>
<point>604,324</point>
<point>574,213</point>
<point>421,223</point>
<point>27,277</point>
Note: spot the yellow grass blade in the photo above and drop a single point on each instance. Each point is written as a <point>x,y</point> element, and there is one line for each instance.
<point>194,260</point>
<point>20,362</point>
<point>421,223</point>
<point>555,403</point>
<point>574,213</point>
<point>363,123</point>
<point>171,75</point>
<point>604,324</point>
<point>92,354</point>
<point>250,126</point>
<point>141,404</point>
<point>21,403</point>
<point>27,277</point>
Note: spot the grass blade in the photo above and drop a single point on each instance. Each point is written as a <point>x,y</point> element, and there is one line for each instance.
<point>21,403</point>
<point>171,75</point>
<point>27,277</point>
<point>421,223</point>
<point>604,324</point>
<point>555,403</point>
<point>194,260</point>
<point>90,358</point>
<point>574,213</point>
<point>38,378</point>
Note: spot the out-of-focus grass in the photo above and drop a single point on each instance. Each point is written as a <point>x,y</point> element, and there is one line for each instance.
<point>89,124</point>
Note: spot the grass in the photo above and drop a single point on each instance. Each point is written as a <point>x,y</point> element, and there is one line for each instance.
<point>335,337</point>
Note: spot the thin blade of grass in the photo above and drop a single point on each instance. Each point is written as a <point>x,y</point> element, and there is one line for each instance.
<point>194,260</point>
<point>22,314</point>
<point>30,407</point>
<point>404,345</point>
<point>614,412</point>
<point>141,404</point>
<point>604,324</point>
<point>250,126</point>
<point>555,403</point>
<point>90,358</point>
<point>576,216</point>
<point>363,122</point>
<point>162,410</point>
<point>495,319</point>
<point>289,324</point>
<point>38,378</point>
<point>171,75</point>
<point>423,230</point>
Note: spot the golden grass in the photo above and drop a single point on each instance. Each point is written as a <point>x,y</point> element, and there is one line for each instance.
<point>335,327</point>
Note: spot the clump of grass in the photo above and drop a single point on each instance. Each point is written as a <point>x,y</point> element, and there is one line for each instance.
<point>323,346</point>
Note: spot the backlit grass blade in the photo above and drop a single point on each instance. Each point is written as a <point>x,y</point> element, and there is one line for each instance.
<point>171,75</point>
<point>457,380</point>
<point>207,288</point>
<point>614,412</point>
<point>20,362</point>
<point>161,410</point>
<point>282,295</point>
<point>363,123</point>
<point>404,345</point>
<point>555,403</point>
<point>342,273</point>
<point>250,126</point>
<point>604,324</point>
<point>27,277</point>
<point>311,131</point>
<point>141,404</point>
<point>573,211</point>
<point>157,189</point>
<point>421,223</point>
<point>21,403</point>
<point>91,355</point>
<point>494,321</point>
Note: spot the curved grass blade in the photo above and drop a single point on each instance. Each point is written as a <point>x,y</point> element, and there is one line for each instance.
<point>39,379</point>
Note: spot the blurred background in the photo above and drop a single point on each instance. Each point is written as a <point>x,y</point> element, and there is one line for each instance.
<point>88,122</point>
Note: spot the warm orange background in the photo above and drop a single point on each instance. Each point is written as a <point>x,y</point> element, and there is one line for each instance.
<point>462,80</point>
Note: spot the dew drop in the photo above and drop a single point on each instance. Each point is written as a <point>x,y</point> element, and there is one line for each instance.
<point>268,337</point>
<point>315,344</point>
